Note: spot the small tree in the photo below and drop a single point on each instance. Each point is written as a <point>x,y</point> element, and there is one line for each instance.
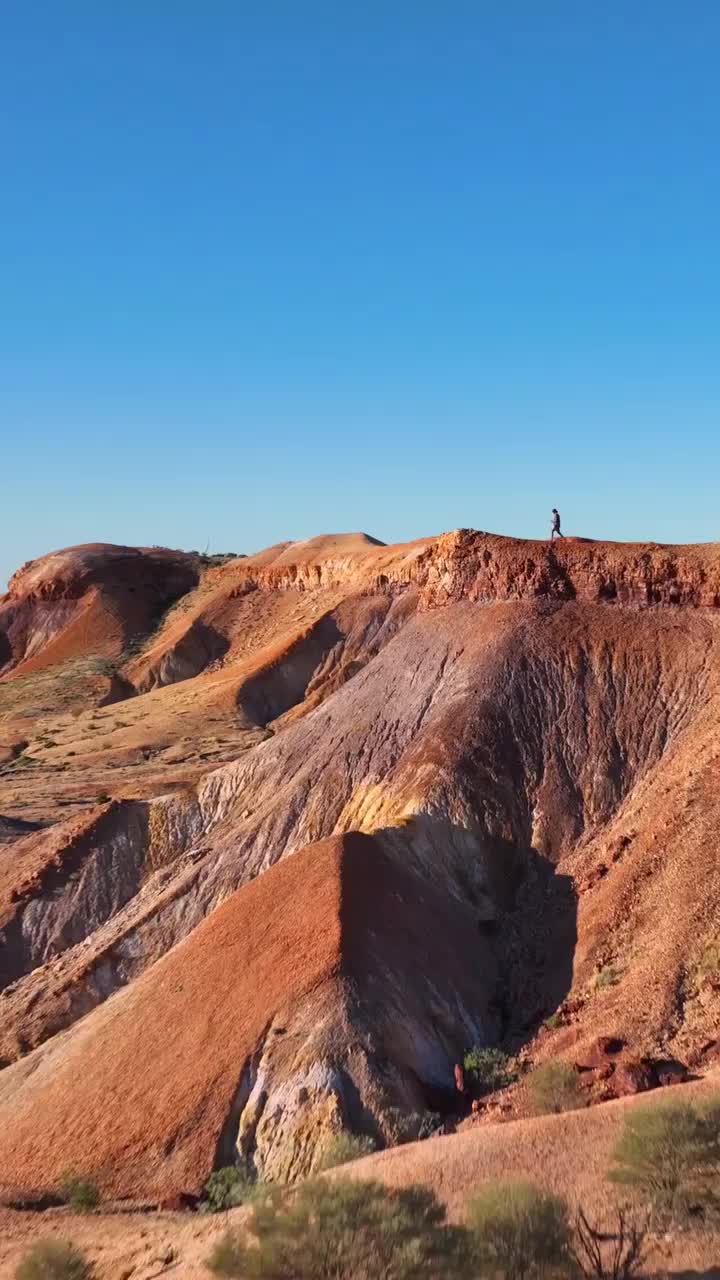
<point>401,1126</point>
<point>488,1069</point>
<point>554,1087</point>
<point>54,1260</point>
<point>345,1230</point>
<point>519,1230</point>
<point>616,1255</point>
<point>342,1148</point>
<point>670,1155</point>
<point>606,977</point>
<point>80,1192</point>
<point>226,1188</point>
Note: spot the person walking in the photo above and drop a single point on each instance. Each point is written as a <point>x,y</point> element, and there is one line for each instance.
<point>556,530</point>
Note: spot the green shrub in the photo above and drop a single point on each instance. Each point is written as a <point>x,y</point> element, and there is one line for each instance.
<point>54,1260</point>
<point>343,1230</point>
<point>554,1021</point>
<point>554,1087</point>
<point>488,1069</point>
<point>79,1192</point>
<point>401,1126</point>
<point>519,1231</point>
<point>670,1156</point>
<point>341,1148</point>
<point>607,977</point>
<point>226,1188</point>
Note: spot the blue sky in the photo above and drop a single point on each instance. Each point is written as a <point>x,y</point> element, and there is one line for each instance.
<point>271,268</point>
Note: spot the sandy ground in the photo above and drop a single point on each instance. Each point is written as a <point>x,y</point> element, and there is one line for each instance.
<point>122,1246</point>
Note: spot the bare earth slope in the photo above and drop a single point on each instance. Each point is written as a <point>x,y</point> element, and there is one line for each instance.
<point>294,1006</point>
<point>527,732</point>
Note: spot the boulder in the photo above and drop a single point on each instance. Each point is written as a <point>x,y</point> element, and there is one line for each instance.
<point>633,1075</point>
<point>602,1052</point>
<point>669,1071</point>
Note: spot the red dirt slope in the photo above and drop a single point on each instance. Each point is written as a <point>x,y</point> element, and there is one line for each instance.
<point>145,1092</point>
<point>87,600</point>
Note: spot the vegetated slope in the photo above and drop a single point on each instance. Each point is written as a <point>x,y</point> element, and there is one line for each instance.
<point>307,1002</point>
<point>568,1154</point>
<point>516,723</point>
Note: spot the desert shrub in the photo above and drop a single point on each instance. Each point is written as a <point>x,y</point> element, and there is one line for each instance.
<point>409,1126</point>
<point>228,1255</point>
<point>341,1148</point>
<point>80,1192</point>
<point>54,1260</point>
<point>519,1231</point>
<point>554,1021</point>
<point>427,1122</point>
<point>226,1188</point>
<point>607,977</point>
<point>609,1255</point>
<point>326,1230</point>
<point>488,1069</point>
<point>670,1156</point>
<point>553,1087</point>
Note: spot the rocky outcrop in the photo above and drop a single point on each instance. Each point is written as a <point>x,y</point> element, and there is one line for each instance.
<point>468,565</point>
<point>484,567</point>
<point>611,1069</point>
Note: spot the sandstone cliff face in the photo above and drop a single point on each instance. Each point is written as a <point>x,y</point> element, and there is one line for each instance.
<point>528,733</point>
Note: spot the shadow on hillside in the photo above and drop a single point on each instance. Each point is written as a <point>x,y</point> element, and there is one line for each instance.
<point>536,941</point>
<point>713,1273</point>
<point>526,915</point>
<point>6,652</point>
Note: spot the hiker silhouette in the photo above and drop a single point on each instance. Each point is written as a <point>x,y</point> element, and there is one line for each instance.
<point>556,530</point>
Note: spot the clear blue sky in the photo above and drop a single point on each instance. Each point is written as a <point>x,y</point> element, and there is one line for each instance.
<point>271,268</point>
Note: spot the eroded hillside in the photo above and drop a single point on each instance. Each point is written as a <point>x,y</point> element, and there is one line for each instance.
<point>526,736</point>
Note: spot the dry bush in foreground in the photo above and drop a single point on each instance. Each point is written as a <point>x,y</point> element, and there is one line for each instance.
<point>54,1260</point>
<point>325,1230</point>
<point>519,1231</point>
<point>616,1255</point>
<point>670,1156</point>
